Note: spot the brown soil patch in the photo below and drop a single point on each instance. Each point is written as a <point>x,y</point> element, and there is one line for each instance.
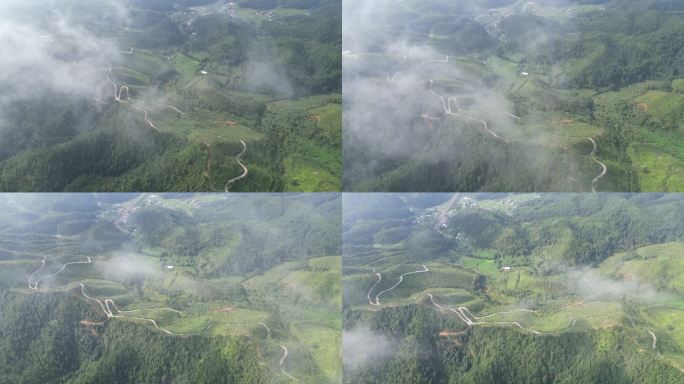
<point>566,122</point>
<point>643,106</point>
<point>574,304</point>
<point>446,333</point>
<point>89,324</point>
<point>229,123</point>
<point>222,310</point>
<point>316,118</point>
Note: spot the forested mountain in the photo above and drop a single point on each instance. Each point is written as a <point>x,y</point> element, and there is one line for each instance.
<point>506,288</point>
<point>559,96</point>
<point>148,95</point>
<point>169,288</point>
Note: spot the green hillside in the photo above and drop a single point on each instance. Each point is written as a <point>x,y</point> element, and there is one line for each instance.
<point>509,95</point>
<point>175,93</point>
<point>151,288</point>
<point>504,288</point>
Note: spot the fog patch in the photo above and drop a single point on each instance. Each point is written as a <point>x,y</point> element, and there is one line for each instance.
<point>362,347</point>
<point>590,284</point>
<point>44,47</point>
<point>415,101</point>
<point>127,267</point>
<point>267,78</point>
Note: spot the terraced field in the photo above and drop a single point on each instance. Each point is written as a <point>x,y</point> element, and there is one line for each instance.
<point>448,292</point>
<point>511,96</point>
<point>180,89</point>
<point>107,264</point>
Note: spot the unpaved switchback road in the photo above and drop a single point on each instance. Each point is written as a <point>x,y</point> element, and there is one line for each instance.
<point>34,285</point>
<point>268,330</point>
<point>370,300</point>
<point>450,103</point>
<point>42,266</point>
<point>603,172</point>
<point>285,352</point>
<point>118,93</point>
<point>401,278</point>
<point>108,312</point>
<point>655,339</point>
<point>117,97</point>
<point>467,317</point>
<point>245,171</point>
<point>282,360</point>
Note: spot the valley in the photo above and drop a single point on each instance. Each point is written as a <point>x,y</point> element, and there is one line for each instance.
<point>525,96</point>
<point>171,277</point>
<point>512,288</point>
<point>197,75</point>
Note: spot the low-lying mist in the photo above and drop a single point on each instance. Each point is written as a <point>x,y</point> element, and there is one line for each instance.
<point>362,347</point>
<point>416,102</point>
<point>45,46</point>
<point>590,284</point>
<point>128,266</point>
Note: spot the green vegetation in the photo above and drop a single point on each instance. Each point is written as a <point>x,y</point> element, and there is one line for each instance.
<point>513,288</point>
<point>571,71</point>
<point>210,75</point>
<point>202,288</point>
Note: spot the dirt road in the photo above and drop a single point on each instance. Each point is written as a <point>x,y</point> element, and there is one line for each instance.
<point>467,317</point>
<point>282,360</point>
<point>245,171</point>
<point>401,278</point>
<point>34,286</point>
<point>105,306</point>
<point>603,166</point>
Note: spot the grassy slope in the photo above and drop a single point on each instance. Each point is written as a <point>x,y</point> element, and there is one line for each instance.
<point>451,278</point>
<point>300,302</point>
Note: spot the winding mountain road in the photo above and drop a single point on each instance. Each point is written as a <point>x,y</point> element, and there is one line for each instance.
<point>655,339</point>
<point>268,330</point>
<point>245,171</point>
<point>166,106</point>
<point>449,103</point>
<point>467,317</point>
<point>285,352</point>
<point>110,314</point>
<point>118,93</point>
<point>282,360</point>
<point>603,172</point>
<point>34,286</point>
<point>117,97</point>
<point>31,286</point>
<point>401,278</point>
<point>370,300</point>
